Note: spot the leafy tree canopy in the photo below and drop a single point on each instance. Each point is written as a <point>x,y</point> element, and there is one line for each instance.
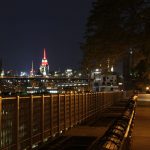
<point>114,27</point>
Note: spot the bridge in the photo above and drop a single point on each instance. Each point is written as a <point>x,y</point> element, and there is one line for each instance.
<point>43,78</point>
<point>38,84</point>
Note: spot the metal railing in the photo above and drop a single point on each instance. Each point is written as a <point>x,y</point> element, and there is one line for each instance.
<point>25,122</point>
<point>118,136</point>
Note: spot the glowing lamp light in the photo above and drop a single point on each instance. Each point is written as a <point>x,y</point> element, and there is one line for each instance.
<point>120,83</point>
<point>112,69</point>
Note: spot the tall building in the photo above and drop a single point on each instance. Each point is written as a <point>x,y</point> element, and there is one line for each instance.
<point>1,68</point>
<point>44,67</point>
<point>32,70</point>
<point>127,69</point>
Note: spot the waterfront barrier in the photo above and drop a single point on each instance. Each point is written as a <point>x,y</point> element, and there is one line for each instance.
<point>26,122</point>
<point>118,136</point>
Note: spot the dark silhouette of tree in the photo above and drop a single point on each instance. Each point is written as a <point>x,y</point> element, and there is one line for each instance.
<point>113,27</point>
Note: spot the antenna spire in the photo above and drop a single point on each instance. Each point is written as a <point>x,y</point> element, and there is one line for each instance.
<point>32,66</point>
<point>44,53</point>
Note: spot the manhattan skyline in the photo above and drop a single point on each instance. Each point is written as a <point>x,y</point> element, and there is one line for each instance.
<point>28,27</point>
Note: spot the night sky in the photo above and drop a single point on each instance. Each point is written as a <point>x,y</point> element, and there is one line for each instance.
<point>28,26</point>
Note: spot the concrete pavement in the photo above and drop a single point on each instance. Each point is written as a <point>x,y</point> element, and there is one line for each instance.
<point>141,131</point>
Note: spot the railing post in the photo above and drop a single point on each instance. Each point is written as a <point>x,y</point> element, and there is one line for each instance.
<point>51,123</point>
<point>58,113</point>
<point>17,122</point>
<point>70,105</point>
<point>83,102</point>
<point>0,118</point>
<point>74,108</point>
<point>31,120</point>
<point>100,98</point>
<point>64,112</point>
<point>42,119</point>
<point>95,105</point>
<point>90,107</point>
<point>97,102</point>
<point>78,108</point>
<point>97,97</point>
<point>85,106</point>
<point>103,100</point>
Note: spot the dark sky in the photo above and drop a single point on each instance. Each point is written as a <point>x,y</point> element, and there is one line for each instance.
<point>27,26</point>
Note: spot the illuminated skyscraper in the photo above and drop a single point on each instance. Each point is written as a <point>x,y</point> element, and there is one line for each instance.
<point>32,70</point>
<point>1,68</point>
<point>44,67</point>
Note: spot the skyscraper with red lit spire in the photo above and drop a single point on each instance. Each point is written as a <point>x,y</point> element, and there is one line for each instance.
<point>44,67</point>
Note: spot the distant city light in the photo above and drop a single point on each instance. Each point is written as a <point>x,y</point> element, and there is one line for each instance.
<point>112,69</point>
<point>53,91</point>
<point>131,52</point>
<point>2,73</point>
<point>120,83</point>
<point>80,74</point>
<point>23,74</point>
<point>69,72</point>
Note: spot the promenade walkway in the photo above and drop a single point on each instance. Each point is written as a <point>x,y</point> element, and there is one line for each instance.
<point>141,131</point>
<point>85,135</point>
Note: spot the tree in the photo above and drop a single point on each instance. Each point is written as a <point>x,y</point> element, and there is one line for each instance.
<point>113,27</point>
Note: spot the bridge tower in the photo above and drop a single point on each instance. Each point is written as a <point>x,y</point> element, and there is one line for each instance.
<point>44,67</point>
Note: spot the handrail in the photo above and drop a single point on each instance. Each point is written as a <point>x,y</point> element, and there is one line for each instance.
<point>115,137</point>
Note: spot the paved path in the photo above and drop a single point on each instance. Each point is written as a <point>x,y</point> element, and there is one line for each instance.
<point>141,131</point>
<point>143,97</point>
<point>85,135</point>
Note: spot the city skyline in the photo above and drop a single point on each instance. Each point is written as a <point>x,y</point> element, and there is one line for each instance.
<point>27,27</point>
<point>34,68</point>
